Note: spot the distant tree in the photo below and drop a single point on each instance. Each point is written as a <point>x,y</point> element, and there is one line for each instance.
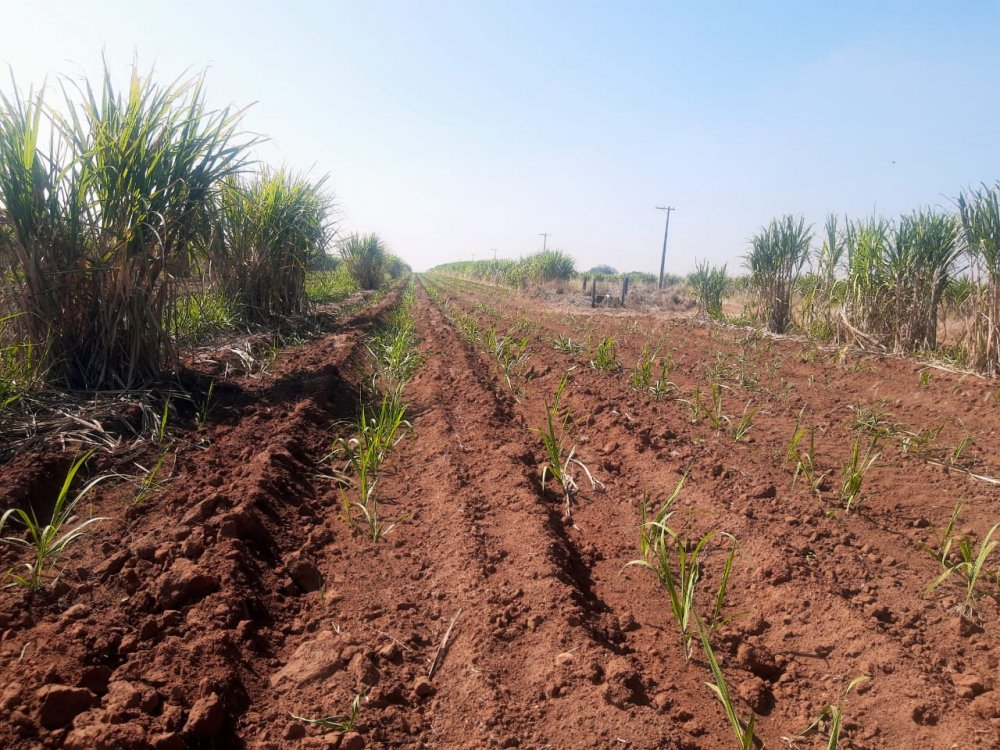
<point>604,270</point>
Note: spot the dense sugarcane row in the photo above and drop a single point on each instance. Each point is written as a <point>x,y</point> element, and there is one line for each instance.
<point>133,218</point>
<point>876,282</point>
<point>546,265</point>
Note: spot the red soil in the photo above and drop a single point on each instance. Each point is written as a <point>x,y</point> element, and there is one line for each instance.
<point>235,597</point>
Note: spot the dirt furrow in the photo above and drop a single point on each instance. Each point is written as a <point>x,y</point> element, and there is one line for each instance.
<point>501,556</point>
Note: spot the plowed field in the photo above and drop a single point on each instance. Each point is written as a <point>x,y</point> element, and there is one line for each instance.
<point>235,596</point>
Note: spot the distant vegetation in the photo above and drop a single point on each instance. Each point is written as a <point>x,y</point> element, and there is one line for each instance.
<point>541,267</point>
<point>546,265</point>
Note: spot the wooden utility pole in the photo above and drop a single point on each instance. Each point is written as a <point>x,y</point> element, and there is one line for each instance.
<point>545,239</point>
<point>666,229</point>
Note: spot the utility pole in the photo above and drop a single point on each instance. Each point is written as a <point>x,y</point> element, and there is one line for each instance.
<point>663,256</point>
<point>545,239</point>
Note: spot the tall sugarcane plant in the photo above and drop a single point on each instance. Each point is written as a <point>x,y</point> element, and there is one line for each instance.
<point>866,241</point>
<point>271,226</point>
<point>897,276</point>
<point>778,253</point>
<point>710,284</point>
<point>923,259</point>
<point>980,216</point>
<point>364,256</point>
<point>105,213</point>
<point>823,289</point>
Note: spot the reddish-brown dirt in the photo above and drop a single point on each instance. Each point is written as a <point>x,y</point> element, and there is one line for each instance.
<point>235,596</point>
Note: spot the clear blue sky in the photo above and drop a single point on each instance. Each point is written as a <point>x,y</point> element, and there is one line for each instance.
<point>452,128</point>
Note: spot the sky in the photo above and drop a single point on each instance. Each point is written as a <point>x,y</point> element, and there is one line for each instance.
<point>454,129</point>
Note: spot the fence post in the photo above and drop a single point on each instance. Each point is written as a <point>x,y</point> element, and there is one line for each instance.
<point>593,294</point>
<point>584,284</point>
<point>624,289</point>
